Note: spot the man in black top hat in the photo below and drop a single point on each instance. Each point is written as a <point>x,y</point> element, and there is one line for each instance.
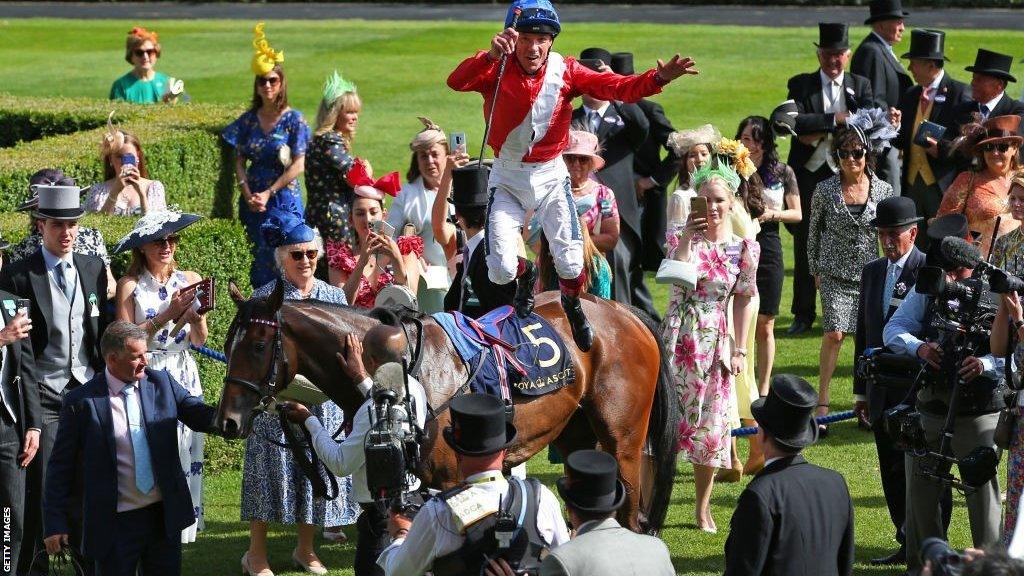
<point>454,532</point>
<point>927,169</point>
<point>68,294</point>
<point>474,294</point>
<point>824,98</point>
<point>910,333</point>
<point>652,172</point>
<point>884,283</point>
<point>875,60</point>
<point>991,74</point>
<point>794,518</point>
<point>621,128</point>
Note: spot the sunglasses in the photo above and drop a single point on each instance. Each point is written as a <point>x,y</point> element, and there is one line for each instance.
<point>993,146</point>
<point>268,81</point>
<point>569,158</point>
<point>172,240</point>
<point>856,153</point>
<point>309,254</point>
<point>139,53</point>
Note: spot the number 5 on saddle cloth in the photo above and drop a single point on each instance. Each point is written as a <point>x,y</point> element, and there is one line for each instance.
<point>499,341</point>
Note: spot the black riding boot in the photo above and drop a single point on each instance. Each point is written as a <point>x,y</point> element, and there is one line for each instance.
<point>582,333</point>
<point>524,289</point>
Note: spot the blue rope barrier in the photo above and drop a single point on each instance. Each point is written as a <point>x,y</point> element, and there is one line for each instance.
<point>838,416</point>
<point>210,353</point>
<point>748,431</point>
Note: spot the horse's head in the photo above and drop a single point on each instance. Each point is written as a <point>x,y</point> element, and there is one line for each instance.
<point>258,366</point>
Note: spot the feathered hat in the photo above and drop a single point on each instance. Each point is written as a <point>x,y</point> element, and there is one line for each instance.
<point>430,135</point>
<point>873,127</point>
<point>716,169</point>
<point>358,177</point>
<point>265,58</point>
<point>682,141</point>
<point>739,156</point>
<point>335,86</point>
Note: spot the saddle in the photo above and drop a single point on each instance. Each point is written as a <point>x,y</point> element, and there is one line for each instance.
<point>507,355</point>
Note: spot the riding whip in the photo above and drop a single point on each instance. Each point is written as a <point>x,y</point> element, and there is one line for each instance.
<point>497,87</point>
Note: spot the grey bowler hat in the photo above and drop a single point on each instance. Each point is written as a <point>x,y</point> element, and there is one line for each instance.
<point>58,202</point>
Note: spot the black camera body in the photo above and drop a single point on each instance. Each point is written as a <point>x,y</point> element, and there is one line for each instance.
<point>945,561</point>
<point>392,449</point>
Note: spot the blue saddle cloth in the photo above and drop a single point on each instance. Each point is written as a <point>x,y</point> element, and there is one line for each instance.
<point>503,351</point>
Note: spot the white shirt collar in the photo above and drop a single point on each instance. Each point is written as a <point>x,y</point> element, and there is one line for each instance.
<point>115,384</point>
<point>600,111</point>
<point>938,80</point>
<point>825,80</point>
<point>882,40</point>
<point>991,104</point>
<point>769,461</point>
<point>903,259</point>
<point>51,259</point>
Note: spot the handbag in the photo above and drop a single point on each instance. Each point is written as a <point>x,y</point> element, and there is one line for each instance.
<point>1003,435</point>
<point>672,271</point>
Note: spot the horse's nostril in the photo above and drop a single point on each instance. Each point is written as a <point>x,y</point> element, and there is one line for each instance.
<point>230,427</point>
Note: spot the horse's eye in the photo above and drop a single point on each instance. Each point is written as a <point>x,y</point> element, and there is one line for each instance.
<point>259,347</point>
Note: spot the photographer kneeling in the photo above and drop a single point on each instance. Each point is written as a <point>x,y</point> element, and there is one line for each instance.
<point>384,345</point>
<point>950,326</point>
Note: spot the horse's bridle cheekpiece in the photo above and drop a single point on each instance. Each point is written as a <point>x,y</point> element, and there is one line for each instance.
<point>270,385</point>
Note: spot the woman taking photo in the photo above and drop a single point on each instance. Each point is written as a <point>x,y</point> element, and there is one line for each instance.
<point>143,84</point>
<point>1009,255</point>
<point>127,191</point>
<point>414,203</point>
<point>781,204</point>
<point>696,330</point>
<point>981,194</point>
<point>274,488</point>
<point>327,161</point>
<point>270,153</point>
<point>376,259</point>
<point>151,295</point>
<point>693,147</point>
<point>840,241</point>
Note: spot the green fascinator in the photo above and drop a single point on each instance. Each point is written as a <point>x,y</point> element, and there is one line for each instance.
<point>335,86</point>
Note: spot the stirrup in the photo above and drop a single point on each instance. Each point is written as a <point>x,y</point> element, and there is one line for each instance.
<point>582,333</point>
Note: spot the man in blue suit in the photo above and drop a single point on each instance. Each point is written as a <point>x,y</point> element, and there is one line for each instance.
<point>122,426</point>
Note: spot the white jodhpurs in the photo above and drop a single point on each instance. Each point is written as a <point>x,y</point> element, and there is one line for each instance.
<point>515,188</point>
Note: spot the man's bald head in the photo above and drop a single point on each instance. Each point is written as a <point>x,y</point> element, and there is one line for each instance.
<point>383,344</point>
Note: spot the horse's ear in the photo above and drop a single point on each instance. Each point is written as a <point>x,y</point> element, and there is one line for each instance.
<point>276,297</point>
<point>236,294</point>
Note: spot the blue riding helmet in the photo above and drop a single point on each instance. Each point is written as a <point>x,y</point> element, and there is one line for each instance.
<point>536,16</point>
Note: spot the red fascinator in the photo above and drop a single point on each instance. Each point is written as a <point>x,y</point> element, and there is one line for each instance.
<point>363,185</point>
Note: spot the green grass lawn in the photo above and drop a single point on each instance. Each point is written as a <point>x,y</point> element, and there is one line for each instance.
<point>400,69</point>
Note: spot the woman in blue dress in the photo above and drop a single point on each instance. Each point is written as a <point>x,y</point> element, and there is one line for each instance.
<point>270,147</point>
<point>274,488</point>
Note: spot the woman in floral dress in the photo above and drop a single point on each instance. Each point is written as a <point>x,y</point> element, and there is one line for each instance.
<point>270,141</point>
<point>1008,254</point>
<point>327,161</point>
<point>695,328</point>
<point>150,295</point>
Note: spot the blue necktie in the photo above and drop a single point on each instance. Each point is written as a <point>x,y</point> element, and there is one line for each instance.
<point>984,112</point>
<point>140,445</point>
<point>595,121</point>
<point>890,283</point>
<point>60,274</point>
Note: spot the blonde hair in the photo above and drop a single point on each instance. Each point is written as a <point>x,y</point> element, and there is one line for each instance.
<point>328,114</point>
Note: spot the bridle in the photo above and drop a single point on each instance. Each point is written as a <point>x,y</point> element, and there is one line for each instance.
<point>271,384</point>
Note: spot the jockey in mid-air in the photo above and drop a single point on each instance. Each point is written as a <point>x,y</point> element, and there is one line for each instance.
<point>532,108</point>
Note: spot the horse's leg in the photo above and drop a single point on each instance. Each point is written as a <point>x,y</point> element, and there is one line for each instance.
<point>577,435</point>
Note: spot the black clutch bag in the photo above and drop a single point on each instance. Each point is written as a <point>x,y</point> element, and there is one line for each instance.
<point>928,130</point>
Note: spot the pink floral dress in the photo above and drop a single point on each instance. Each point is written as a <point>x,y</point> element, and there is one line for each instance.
<point>695,331</point>
<point>340,256</point>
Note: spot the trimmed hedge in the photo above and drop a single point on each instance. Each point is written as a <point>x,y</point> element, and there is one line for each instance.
<point>211,247</point>
<point>182,146</point>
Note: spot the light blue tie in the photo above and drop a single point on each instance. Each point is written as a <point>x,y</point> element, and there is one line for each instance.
<point>60,273</point>
<point>140,445</point>
<point>890,283</point>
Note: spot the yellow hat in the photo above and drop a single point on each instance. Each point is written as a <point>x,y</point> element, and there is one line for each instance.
<point>265,58</point>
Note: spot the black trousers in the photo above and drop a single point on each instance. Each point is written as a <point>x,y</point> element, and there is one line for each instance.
<point>142,546</point>
<point>805,295</point>
<point>927,197</point>
<point>372,539</point>
<point>33,560</point>
<point>653,221</point>
<point>12,493</point>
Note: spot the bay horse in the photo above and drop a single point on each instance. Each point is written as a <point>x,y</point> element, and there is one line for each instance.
<point>622,397</point>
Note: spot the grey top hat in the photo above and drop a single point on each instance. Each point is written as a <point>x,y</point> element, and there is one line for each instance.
<point>58,202</point>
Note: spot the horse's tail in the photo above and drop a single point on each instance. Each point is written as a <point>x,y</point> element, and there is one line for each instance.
<point>662,428</point>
